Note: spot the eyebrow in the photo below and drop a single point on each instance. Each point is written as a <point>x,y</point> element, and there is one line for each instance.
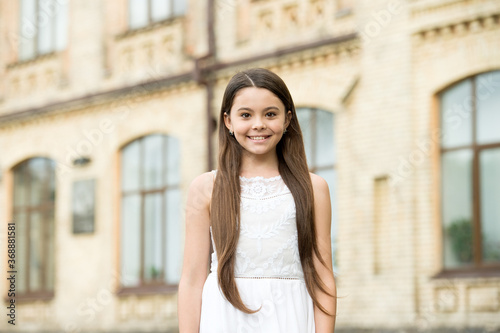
<point>245,108</point>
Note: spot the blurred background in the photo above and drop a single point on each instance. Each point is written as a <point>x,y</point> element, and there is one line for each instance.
<point>109,109</point>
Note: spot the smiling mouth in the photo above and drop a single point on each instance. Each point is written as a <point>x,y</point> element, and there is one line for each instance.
<point>259,138</point>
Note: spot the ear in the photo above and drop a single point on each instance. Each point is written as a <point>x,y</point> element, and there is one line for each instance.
<point>288,118</point>
<point>227,121</point>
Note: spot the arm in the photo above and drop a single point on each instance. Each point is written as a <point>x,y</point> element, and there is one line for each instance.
<point>323,217</point>
<point>196,253</point>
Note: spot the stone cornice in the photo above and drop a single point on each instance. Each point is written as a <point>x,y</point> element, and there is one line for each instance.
<point>458,28</point>
<point>98,98</point>
<point>452,17</point>
<point>303,52</point>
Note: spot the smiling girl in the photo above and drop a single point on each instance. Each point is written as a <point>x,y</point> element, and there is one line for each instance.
<point>268,219</point>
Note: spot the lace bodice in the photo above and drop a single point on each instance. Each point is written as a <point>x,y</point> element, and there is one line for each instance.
<point>267,246</point>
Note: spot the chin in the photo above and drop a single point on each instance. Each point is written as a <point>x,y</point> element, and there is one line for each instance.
<point>257,152</point>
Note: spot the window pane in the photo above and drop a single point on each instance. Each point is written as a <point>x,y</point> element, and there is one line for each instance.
<point>130,240</point>
<point>325,152</point>
<point>46,18</point>
<point>173,257</point>
<point>161,9</point>
<point>490,209</point>
<point>38,178</point>
<point>20,186</point>
<point>153,148</point>
<point>180,7</point>
<point>49,244</point>
<point>27,30</point>
<point>488,107</point>
<point>457,207</point>
<point>304,118</point>
<point>153,242</point>
<point>130,166</point>
<point>173,156</point>
<point>456,115</point>
<point>137,13</point>
<point>35,249</point>
<point>21,247</point>
<point>61,25</point>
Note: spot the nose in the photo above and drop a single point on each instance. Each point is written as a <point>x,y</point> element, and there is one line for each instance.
<point>259,124</point>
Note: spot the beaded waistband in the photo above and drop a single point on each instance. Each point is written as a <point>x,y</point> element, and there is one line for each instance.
<point>269,277</point>
<point>264,277</point>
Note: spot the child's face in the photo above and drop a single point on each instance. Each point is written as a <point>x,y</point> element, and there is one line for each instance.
<point>258,119</point>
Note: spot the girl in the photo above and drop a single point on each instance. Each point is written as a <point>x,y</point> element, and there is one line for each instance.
<point>268,219</point>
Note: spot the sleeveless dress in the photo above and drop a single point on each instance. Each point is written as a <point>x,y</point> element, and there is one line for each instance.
<point>268,272</point>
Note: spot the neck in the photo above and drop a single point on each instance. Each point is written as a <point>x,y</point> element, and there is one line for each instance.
<point>259,165</point>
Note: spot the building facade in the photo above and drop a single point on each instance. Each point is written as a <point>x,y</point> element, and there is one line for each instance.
<point>108,110</point>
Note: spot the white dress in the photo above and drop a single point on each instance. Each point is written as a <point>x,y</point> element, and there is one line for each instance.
<point>267,269</point>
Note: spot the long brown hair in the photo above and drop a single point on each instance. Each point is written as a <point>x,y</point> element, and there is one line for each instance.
<point>226,195</point>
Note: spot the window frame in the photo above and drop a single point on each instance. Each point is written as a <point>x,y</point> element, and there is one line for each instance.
<point>477,267</point>
<point>160,286</point>
<point>47,205</point>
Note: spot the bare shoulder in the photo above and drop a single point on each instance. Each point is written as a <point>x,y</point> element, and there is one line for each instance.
<point>205,181</point>
<point>320,186</point>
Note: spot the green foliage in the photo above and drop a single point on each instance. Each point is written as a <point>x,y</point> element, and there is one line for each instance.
<point>155,272</point>
<point>460,234</point>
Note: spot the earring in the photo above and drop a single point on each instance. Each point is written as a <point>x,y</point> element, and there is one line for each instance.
<point>231,132</point>
<point>284,131</point>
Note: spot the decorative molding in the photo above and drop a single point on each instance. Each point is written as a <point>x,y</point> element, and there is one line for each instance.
<point>420,8</point>
<point>483,298</point>
<point>35,312</point>
<point>135,308</point>
<point>134,92</point>
<point>284,22</point>
<point>285,59</point>
<point>152,51</point>
<point>467,294</point>
<point>34,76</point>
<point>339,47</point>
<point>457,29</point>
<point>459,10</point>
<point>446,299</point>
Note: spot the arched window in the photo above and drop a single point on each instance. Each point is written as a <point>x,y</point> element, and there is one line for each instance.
<point>317,129</point>
<point>150,212</point>
<point>470,172</point>
<point>33,208</point>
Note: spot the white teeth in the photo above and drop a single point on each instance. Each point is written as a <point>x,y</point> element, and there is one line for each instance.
<point>257,137</point>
